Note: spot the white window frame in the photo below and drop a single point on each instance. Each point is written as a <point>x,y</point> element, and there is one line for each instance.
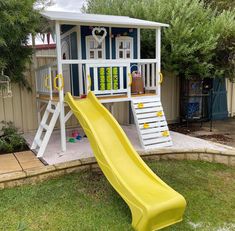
<point>91,38</point>
<point>124,39</point>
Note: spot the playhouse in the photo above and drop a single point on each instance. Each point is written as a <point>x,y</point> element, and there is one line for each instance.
<point>98,62</point>
<point>102,54</point>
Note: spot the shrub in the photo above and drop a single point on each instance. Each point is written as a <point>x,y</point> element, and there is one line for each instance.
<point>10,139</point>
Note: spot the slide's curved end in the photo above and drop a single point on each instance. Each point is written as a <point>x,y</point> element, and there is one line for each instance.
<point>154,205</point>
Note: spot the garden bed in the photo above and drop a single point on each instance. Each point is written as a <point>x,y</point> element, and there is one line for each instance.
<point>11,140</point>
<point>222,131</point>
<point>86,201</point>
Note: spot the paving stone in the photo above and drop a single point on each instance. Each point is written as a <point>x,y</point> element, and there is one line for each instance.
<point>14,183</point>
<point>192,156</point>
<point>31,164</point>
<point>222,159</point>
<point>206,157</point>
<point>178,156</point>
<point>77,169</point>
<point>95,166</point>
<point>68,164</point>
<point>28,160</point>
<point>164,157</point>
<point>214,151</point>
<point>89,160</point>
<point>232,161</point>
<point>26,156</point>
<point>2,185</point>
<point>8,163</point>
<point>12,176</point>
<point>40,170</point>
<point>229,152</point>
<point>152,157</point>
<point>51,175</point>
<point>32,180</point>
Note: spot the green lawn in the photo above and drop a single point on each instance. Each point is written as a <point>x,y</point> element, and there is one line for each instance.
<point>86,202</point>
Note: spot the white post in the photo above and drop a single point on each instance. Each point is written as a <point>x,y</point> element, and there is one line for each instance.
<point>110,42</point>
<point>139,49</point>
<point>80,75</point>
<point>128,72</point>
<point>50,83</point>
<point>61,92</point>
<point>87,80</point>
<point>38,103</point>
<point>158,59</point>
<point>138,44</point>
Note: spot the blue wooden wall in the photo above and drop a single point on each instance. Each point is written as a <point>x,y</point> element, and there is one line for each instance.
<point>86,31</point>
<point>124,32</point>
<point>74,68</point>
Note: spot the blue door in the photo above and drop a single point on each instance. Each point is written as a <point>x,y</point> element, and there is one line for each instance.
<point>219,99</point>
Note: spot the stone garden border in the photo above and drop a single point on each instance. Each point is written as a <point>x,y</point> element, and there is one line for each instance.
<point>35,175</point>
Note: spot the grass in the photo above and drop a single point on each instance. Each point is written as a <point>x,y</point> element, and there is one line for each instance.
<point>86,202</point>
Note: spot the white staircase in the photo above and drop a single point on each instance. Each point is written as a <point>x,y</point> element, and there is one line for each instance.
<point>47,124</point>
<point>151,122</point>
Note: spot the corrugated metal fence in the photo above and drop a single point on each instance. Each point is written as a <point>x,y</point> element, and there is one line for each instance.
<point>230,97</point>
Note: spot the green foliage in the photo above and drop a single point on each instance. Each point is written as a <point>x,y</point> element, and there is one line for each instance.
<point>222,4</point>
<point>224,60</point>
<point>10,139</point>
<point>193,43</point>
<point>18,20</point>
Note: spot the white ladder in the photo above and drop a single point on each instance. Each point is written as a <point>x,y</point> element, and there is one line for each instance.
<point>151,122</point>
<point>40,142</point>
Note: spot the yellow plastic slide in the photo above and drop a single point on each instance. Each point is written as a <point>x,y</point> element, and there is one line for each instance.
<point>154,205</point>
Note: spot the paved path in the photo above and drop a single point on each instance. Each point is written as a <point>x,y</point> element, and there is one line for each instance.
<point>16,162</point>
<point>81,149</point>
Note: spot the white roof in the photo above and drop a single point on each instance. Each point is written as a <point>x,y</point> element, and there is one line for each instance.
<point>93,19</point>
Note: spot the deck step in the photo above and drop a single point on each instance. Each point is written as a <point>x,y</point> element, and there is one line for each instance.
<point>151,122</point>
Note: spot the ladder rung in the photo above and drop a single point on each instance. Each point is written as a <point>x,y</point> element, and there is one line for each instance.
<point>38,142</point>
<point>50,110</point>
<point>45,126</point>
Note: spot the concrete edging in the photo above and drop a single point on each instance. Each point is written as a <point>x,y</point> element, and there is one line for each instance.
<point>35,175</point>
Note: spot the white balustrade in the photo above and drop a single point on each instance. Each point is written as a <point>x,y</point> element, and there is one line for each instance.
<point>44,80</point>
<point>106,77</point>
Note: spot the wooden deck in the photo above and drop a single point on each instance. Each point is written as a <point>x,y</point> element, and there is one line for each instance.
<point>103,99</point>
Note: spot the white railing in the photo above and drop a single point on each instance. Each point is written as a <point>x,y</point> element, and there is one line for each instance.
<point>44,80</point>
<point>149,72</point>
<point>147,67</point>
<point>109,78</point>
<point>105,77</point>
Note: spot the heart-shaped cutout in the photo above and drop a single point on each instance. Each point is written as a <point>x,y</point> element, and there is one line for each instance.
<point>96,34</point>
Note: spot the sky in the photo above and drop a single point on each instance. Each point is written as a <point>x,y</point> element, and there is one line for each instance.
<point>67,5</point>
<point>60,5</point>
